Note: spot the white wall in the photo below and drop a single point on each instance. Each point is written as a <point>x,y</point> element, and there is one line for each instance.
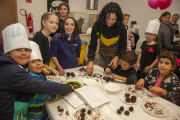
<point>38,7</point>
<point>140,11</point>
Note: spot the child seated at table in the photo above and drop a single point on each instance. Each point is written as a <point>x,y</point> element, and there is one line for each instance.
<point>36,110</point>
<point>16,84</point>
<point>126,71</point>
<point>162,81</point>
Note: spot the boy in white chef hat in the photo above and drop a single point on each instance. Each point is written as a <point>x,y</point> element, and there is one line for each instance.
<point>16,84</point>
<point>149,53</point>
<point>36,108</point>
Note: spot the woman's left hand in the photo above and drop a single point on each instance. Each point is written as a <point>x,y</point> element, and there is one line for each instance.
<point>114,62</point>
<point>154,89</point>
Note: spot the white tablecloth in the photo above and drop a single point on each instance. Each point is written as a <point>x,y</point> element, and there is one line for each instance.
<point>114,104</point>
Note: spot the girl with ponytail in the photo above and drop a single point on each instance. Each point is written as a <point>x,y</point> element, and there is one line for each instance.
<point>49,24</point>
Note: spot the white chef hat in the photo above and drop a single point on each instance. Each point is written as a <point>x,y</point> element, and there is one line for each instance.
<point>14,37</point>
<point>135,28</point>
<point>35,54</point>
<point>153,26</point>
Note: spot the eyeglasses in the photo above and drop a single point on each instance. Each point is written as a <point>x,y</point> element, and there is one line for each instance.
<point>148,34</point>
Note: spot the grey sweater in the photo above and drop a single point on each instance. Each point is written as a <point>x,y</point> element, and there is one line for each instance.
<point>164,36</point>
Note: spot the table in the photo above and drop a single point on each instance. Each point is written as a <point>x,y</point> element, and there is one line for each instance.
<point>113,105</point>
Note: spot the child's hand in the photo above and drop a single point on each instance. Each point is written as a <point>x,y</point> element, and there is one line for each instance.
<point>54,71</point>
<point>62,71</point>
<point>108,70</point>
<point>115,77</point>
<point>155,89</point>
<point>140,83</point>
<point>146,70</point>
<point>72,87</point>
<point>138,66</point>
<point>45,71</point>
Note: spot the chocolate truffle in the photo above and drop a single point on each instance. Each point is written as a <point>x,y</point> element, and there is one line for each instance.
<point>73,75</point>
<point>89,112</point>
<point>127,95</point>
<point>82,118</point>
<point>133,97</point>
<point>82,114</point>
<point>68,74</point>
<point>119,111</point>
<point>104,78</point>
<point>107,80</point>
<point>131,109</point>
<point>121,108</point>
<point>128,100</point>
<point>112,80</point>
<point>83,110</point>
<point>133,100</point>
<point>126,112</point>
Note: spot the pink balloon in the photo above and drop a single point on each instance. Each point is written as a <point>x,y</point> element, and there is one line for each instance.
<point>163,4</point>
<point>153,3</point>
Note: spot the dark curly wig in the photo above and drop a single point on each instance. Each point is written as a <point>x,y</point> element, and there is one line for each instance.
<point>75,30</point>
<point>109,8</point>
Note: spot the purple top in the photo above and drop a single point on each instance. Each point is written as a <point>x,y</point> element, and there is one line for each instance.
<point>65,51</point>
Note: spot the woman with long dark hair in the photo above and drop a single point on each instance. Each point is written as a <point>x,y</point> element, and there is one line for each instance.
<point>112,34</point>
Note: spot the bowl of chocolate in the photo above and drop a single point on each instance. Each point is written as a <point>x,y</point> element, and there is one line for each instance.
<point>75,84</point>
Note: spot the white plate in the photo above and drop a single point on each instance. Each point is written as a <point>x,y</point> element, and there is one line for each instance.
<point>112,87</point>
<point>178,113</point>
<point>156,107</point>
<point>137,92</point>
<point>122,98</point>
<point>89,82</point>
<point>93,116</point>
